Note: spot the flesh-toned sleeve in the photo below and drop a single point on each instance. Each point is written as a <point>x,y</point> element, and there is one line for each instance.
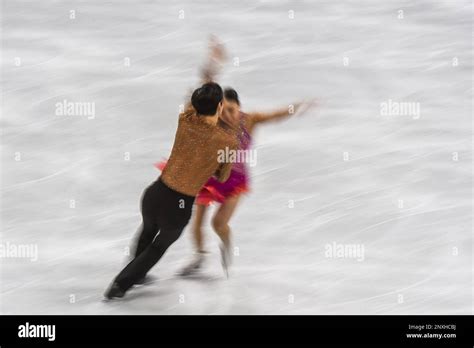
<point>279,114</point>
<point>223,172</point>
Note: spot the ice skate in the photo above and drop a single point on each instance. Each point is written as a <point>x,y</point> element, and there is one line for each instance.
<point>114,292</point>
<point>146,280</point>
<point>194,266</point>
<point>226,258</point>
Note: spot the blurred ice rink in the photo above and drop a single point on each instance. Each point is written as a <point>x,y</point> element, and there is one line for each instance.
<point>399,185</point>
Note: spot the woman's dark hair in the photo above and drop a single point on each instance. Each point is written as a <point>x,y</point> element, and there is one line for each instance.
<point>231,94</point>
<point>206,98</point>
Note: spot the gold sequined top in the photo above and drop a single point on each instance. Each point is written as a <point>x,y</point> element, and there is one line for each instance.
<point>194,157</point>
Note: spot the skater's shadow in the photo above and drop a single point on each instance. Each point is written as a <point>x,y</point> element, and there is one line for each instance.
<point>148,292</point>
<point>208,278</point>
<point>165,287</point>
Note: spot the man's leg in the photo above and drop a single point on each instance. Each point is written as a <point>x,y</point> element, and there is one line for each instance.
<point>148,233</point>
<point>149,227</point>
<point>139,267</point>
<point>171,211</point>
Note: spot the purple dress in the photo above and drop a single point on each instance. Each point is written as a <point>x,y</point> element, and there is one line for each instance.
<point>238,181</point>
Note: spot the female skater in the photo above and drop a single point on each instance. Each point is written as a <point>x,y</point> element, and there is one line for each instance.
<point>227,194</point>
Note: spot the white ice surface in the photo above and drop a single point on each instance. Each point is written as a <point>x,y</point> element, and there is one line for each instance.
<point>409,251</point>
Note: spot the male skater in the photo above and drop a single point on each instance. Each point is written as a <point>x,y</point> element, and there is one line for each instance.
<point>167,203</point>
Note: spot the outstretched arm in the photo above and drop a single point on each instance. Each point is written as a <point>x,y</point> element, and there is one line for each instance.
<point>279,114</point>
<point>213,65</point>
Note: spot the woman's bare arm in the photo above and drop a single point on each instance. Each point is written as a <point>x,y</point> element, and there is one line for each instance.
<point>279,114</point>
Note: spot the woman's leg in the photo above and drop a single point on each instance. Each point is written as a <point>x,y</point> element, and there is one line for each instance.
<point>220,221</point>
<point>199,216</point>
<point>198,239</point>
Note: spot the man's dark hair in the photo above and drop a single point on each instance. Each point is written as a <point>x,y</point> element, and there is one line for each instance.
<point>206,98</point>
<point>231,94</point>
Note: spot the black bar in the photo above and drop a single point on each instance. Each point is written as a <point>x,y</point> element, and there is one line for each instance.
<point>135,331</point>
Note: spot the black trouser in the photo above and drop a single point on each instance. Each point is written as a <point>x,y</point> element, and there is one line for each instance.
<point>165,213</point>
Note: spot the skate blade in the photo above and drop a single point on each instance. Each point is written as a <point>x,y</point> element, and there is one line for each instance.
<point>189,273</point>
<point>147,283</point>
<point>225,262</point>
<point>113,299</point>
